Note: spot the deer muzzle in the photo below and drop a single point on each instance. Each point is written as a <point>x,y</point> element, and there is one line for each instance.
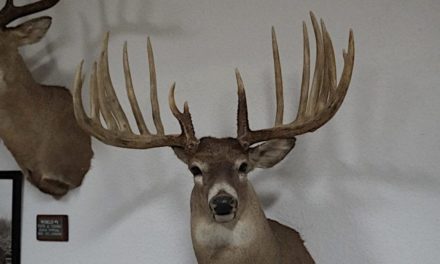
<point>223,207</point>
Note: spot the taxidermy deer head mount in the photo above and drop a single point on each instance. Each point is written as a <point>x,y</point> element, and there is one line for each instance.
<point>228,224</point>
<point>37,123</point>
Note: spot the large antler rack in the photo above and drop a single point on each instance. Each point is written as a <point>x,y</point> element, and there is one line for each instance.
<point>105,103</point>
<point>318,103</point>
<point>10,12</point>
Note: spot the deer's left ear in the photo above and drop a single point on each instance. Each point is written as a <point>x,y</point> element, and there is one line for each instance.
<point>271,152</point>
<point>30,31</point>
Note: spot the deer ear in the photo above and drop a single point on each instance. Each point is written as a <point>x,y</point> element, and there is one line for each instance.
<point>181,154</point>
<point>271,152</point>
<point>30,31</point>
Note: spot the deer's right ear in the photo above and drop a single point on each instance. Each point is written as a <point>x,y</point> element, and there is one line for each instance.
<point>181,154</point>
<point>30,31</point>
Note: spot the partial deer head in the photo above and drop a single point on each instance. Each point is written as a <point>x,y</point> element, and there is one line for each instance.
<point>228,224</point>
<point>37,121</point>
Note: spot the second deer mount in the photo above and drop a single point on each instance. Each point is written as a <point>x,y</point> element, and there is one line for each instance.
<point>37,121</point>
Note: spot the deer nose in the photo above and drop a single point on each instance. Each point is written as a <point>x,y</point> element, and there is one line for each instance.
<point>223,204</point>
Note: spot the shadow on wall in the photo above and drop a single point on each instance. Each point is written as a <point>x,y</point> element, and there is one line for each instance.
<point>42,69</point>
<point>141,25</point>
<point>336,203</point>
<point>144,192</point>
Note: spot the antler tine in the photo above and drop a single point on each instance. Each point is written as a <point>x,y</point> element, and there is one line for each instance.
<point>104,108</point>
<point>104,101</point>
<point>184,119</point>
<point>344,81</point>
<point>94,98</point>
<point>305,75</point>
<point>131,95</point>
<point>319,66</point>
<point>318,103</point>
<point>278,80</point>
<point>153,90</point>
<point>86,123</point>
<point>110,94</point>
<point>242,115</point>
<point>325,83</point>
<point>80,114</point>
<point>10,12</point>
<point>98,103</point>
<point>330,73</point>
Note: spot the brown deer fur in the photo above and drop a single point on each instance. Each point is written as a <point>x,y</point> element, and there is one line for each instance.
<point>37,123</point>
<point>249,238</point>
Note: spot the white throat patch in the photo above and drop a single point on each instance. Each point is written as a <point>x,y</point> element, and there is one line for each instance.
<point>215,235</point>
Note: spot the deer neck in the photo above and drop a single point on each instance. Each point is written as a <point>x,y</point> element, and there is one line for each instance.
<point>19,94</point>
<point>248,239</point>
<point>14,75</point>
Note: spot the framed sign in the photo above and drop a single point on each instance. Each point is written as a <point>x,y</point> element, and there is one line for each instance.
<point>10,216</point>
<point>52,228</point>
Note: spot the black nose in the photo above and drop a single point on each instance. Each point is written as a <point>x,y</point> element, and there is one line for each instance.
<point>222,204</point>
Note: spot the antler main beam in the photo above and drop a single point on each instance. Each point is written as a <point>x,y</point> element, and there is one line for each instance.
<point>318,102</point>
<point>104,101</point>
<point>10,12</point>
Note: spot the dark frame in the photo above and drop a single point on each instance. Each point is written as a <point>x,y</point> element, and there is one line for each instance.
<point>17,188</point>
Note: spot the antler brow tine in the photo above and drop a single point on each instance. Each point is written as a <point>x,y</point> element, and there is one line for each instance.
<point>172,101</point>
<point>242,115</point>
<point>184,119</point>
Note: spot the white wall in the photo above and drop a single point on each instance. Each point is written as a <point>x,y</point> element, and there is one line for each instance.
<point>363,189</point>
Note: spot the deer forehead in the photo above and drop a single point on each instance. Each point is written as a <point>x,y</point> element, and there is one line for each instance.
<point>219,166</point>
<point>218,152</point>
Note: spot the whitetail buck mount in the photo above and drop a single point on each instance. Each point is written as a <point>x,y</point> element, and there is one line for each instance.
<point>37,123</point>
<point>228,224</point>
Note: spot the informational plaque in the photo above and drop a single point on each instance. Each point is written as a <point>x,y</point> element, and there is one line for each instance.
<point>52,228</point>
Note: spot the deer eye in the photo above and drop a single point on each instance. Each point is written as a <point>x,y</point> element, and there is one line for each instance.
<point>195,171</point>
<point>243,167</point>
